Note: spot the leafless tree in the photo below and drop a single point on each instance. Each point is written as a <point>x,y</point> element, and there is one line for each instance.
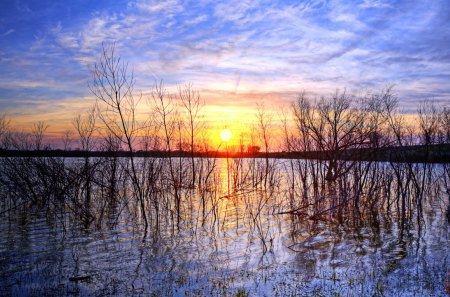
<point>85,127</point>
<point>265,123</point>
<point>38,133</point>
<point>4,130</point>
<point>445,128</point>
<point>113,86</point>
<point>429,121</point>
<point>190,99</point>
<point>167,115</point>
<point>303,114</point>
<point>376,109</point>
<point>334,125</point>
<point>395,121</point>
<point>67,139</point>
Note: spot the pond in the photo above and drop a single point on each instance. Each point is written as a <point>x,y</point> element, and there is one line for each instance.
<point>243,241</point>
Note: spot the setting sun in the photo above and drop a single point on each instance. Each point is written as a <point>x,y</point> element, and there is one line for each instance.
<point>226,135</point>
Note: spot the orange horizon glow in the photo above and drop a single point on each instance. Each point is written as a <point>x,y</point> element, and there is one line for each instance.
<point>213,120</point>
<point>240,121</point>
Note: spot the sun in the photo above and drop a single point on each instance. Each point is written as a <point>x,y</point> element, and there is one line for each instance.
<point>226,135</point>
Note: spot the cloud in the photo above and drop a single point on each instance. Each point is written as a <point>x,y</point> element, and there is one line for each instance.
<point>236,10</point>
<point>375,4</point>
<point>197,20</point>
<point>171,6</point>
<point>236,48</point>
<point>10,31</point>
<point>18,84</point>
<point>22,7</point>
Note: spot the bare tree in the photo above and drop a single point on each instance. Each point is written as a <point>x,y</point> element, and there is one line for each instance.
<point>190,99</point>
<point>333,125</point>
<point>85,127</point>
<point>289,146</point>
<point>113,86</point>
<point>67,139</point>
<point>429,120</point>
<point>376,125</point>
<point>38,133</point>
<point>166,110</point>
<point>264,122</point>
<point>445,127</point>
<point>395,121</point>
<point>4,130</point>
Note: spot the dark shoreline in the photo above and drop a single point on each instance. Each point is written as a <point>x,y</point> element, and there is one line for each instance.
<point>436,153</point>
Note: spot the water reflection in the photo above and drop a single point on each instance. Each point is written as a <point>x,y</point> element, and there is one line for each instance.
<point>240,236</point>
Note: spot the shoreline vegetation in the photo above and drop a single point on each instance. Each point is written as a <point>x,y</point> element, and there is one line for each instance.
<point>434,153</point>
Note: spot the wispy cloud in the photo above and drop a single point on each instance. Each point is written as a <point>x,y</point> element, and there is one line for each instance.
<point>10,31</point>
<point>234,48</point>
<point>197,20</point>
<point>375,4</point>
<point>18,84</point>
<point>171,6</point>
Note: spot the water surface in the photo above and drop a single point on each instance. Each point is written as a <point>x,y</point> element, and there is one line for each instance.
<point>242,247</point>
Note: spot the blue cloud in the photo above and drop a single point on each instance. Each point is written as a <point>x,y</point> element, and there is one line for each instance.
<point>247,46</point>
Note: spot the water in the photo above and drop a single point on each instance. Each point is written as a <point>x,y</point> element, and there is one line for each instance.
<point>242,248</point>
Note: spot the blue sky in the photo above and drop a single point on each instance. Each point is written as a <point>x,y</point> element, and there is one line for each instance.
<point>235,52</point>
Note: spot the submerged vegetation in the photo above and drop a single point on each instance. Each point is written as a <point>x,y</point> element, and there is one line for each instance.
<point>331,225</point>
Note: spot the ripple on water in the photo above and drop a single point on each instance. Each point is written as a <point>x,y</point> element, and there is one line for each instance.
<point>226,253</point>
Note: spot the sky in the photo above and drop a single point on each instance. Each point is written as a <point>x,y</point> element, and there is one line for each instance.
<point>236,53</point>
